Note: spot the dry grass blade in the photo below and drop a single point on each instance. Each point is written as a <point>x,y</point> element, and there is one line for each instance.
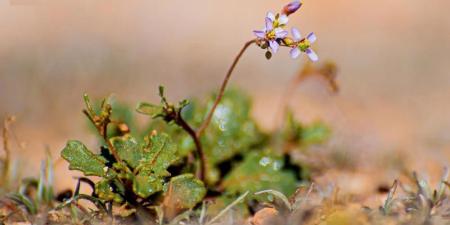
<point>201,219</point>
<point>235,202</point>
<point>7,159</point>
<point>424,188</point>
<point>180,217</point>
<point>297,200</point>
<point>279,195</point>
<point>390,198</point>
<point>442,184</point>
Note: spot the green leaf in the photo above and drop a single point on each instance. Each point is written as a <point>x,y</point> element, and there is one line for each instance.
<point>232,130</point>
<point>82,159</point>
<point>87,102</point>
<point>185,144</point>
<point>105,191</point>
<point>183,103</point>
<point>315,133</point>
<point>128,149</point>
<point>146,184</point>
<point>185,191</point>
<point>159,153</point>
<point>149,109</point>
<point>260,171</point>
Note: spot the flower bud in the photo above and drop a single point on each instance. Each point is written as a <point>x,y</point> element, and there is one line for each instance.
<point>288,41</point>
<point>291,8</point>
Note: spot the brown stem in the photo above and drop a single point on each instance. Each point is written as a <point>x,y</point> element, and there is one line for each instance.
<point>206,122</point>
<point>180,121</point>
<point>6,149</point>
<point>102,130</point>
<point>110,145</point>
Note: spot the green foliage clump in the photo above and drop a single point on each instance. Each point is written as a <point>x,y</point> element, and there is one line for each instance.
<point>234,140</point>
<point>153,169</point>
<point>159,166</point>
<point>232,130</point>
<point>133,172</point>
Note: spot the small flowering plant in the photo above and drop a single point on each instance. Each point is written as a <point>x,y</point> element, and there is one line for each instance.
<point>274,34</point>
<point>199,151</point>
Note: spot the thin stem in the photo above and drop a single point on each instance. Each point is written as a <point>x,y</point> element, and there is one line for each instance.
<point>102,130</point>
<point>180,121</point>
<point>6,149</point>
<point>110,145</point>
<point>206,122</point>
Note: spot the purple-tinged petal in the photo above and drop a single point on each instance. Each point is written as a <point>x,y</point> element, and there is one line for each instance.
<point>280,33</point>
<point>283,19</point>
<point>271,16</point>
<point>260,33</point>
<point>291,7</point>
<point>274,46</point>
<point>311,38</point>
<point>296,34</point>
<point>269,24</point>
<point>312,55</point>
<point>295,52</point>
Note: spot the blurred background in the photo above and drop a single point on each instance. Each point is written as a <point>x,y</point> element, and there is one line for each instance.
<point>393,58</point>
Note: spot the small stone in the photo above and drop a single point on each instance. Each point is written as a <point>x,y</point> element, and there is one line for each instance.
<point>266,216</point>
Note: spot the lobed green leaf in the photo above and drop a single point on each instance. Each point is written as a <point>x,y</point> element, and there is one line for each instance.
<point>146,184</point>
<point>128,149</point>
<point>185,192</point>
<point>159,153</point>
<point>82,159</point>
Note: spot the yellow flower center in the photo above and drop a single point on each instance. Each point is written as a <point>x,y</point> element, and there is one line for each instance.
<point>271,35</point>
<point>304,44</point>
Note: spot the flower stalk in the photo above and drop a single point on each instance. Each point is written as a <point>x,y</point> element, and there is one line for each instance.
<point>201,155</point>
<point>206,122</point>
<point>271,37</point>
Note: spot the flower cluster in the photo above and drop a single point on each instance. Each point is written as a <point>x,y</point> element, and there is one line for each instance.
<point>274,35</point>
